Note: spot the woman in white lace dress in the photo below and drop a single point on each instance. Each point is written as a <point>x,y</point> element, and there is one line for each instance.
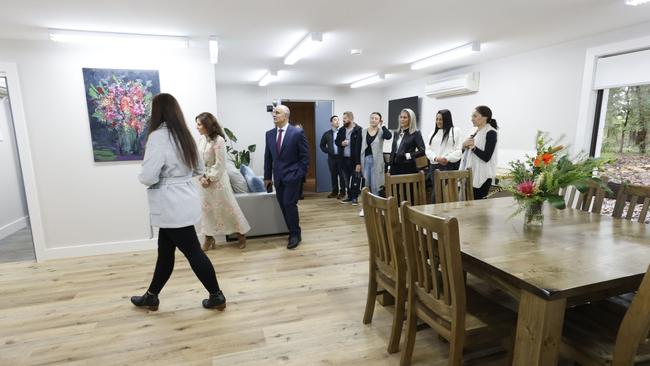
<point>221,213</point>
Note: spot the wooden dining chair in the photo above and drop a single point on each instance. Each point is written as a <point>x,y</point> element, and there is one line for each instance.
<point>406,187</point>
<point>437,294</point>
<point>633,194</point>
<point>596,335</point>
<point>453,185</point>
<point>387,260</point>
<point>589,201</point>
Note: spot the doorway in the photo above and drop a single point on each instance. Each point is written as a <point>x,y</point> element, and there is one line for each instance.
<point>16,242</point>
<point>314,117</point>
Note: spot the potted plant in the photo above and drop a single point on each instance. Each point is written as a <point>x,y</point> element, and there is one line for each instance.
<point>238,157</point>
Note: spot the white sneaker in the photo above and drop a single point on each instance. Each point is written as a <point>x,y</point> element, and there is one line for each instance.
<point>361,213</point>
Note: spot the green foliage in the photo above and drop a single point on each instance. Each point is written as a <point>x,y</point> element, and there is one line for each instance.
<point>238,157</point>
<point>627,120</point>
<point>539,178</point>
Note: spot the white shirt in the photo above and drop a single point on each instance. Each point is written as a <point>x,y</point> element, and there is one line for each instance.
<point>481,170</point>
<point>450,149</point>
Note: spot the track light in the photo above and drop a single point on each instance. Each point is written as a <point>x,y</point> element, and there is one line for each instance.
<point>445,56</point>
<point>368,81</point>
<point>306,46</point>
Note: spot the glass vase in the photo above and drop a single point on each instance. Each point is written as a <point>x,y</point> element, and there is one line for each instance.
<point>534,215</point>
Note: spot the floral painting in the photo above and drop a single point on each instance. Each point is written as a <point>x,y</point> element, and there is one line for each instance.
<point>119,107</point>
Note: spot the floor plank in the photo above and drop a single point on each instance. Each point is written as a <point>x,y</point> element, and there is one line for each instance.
<point>301,307</point>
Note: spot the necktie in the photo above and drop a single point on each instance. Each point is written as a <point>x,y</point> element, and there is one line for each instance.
<point>278,143</point>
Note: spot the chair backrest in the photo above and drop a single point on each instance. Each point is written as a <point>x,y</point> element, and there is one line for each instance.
<point>434,263</point>
<point>634,327</point>
<point>453,185</point>
<point>634,195</point>
<point>589,201</point>
<point>384,230</point>
<point>406,187</point>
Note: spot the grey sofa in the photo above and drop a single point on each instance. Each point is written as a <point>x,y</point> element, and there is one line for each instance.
<point>263,213</point>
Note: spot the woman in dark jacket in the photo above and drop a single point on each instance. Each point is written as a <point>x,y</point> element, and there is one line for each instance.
<point>407,145</point>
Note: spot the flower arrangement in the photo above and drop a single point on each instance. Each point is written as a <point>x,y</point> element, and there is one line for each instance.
<point>539,178</point>
<point>123,107</point>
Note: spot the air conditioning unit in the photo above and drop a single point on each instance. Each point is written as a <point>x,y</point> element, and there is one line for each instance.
<point>455,85</point>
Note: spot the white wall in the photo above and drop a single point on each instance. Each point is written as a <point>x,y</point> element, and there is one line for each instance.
<point>242,108</point>
<point>538,90</point>
<point>13,208</point>
<point>88,207</point>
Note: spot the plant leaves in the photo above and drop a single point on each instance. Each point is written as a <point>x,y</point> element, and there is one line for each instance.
<point>252,148</point>
<point>231,136</point>
<point>556,201</point>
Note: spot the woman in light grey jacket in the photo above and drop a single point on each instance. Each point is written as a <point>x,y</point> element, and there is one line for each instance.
<point>372,153</point>
<point>171,160</point>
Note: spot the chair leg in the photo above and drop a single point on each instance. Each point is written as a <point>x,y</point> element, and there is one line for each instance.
<point>455,352</point>
<point>371,299</point>
<point>409,339</point>
<point>398,321</point>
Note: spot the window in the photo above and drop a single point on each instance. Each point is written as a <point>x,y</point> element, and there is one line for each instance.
<point>621,133</point>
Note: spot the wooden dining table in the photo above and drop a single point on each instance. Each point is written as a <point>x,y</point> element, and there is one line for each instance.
<point>574,258</point>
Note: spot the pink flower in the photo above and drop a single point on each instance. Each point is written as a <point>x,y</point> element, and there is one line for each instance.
<point>526,188</point>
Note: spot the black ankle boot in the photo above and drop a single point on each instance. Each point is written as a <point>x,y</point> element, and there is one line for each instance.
<point>147,300</point>
<point>216,301</point>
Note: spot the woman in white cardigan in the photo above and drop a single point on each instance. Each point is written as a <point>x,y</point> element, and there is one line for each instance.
<point>171,160</point>
<point>444,149</point>
<point>481,151</point>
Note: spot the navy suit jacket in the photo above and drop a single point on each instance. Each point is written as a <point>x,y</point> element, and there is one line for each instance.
<point>290,166</point>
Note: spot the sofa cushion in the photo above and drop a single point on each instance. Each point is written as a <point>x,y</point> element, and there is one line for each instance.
<point>237,180</point>
<point>255,183</point>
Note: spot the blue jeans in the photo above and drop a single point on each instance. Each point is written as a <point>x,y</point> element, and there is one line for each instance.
<point>368,162</point>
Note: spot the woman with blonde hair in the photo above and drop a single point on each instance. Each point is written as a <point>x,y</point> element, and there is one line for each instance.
<point>407,146</point>
<point>221,213</point>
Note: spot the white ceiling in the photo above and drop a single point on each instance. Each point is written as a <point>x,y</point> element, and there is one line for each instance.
<point>255,35</point>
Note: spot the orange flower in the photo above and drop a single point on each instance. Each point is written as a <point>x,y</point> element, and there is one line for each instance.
<point>546,158</point>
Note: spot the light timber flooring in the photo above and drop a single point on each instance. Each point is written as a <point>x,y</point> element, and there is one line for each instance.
<point>301,307</point>
<point>17,247</point>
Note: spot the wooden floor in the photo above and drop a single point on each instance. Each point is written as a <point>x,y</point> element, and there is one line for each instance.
<point>301,307</point>
<point>17,247</point>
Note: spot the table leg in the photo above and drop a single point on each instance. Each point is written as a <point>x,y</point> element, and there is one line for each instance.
<point>539,330</point>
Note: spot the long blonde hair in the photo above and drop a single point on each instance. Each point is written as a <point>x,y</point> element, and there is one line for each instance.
<point>413,123</point>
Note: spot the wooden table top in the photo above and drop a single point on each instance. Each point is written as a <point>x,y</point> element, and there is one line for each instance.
<point>574,254</point>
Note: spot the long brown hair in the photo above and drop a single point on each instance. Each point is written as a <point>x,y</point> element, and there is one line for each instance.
<point>211,125</point>
<point>165,109</point>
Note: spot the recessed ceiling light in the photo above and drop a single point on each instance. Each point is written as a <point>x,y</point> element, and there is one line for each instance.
<point>117,39</point>
<point>213,45</point>
<point>268,78</point>
<point>636,2</point>
<point>445,56</point>
<point>367,81</point>
<point>356,51</point>
<point>307,45</point>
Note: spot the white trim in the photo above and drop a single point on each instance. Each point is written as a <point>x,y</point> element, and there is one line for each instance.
<point>86,250</point>
<point>13,227</point>
<point>10,70</point>
<point>588,94</point>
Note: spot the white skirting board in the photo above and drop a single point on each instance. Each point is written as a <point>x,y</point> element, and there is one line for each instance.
<point>13,227</point>
<point>86,250</point>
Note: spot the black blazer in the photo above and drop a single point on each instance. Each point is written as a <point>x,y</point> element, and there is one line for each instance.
<point>327,142</point>
<point>355,143</point>
<point>412,144</point>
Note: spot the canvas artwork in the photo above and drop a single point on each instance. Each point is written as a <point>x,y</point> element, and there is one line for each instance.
<point>119,107</point>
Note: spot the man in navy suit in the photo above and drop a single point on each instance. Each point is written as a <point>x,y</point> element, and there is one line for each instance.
<point>286,160</point>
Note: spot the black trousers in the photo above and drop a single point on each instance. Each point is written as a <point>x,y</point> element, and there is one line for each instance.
<point>482,192</point>
<point>184,239</point>
<point>347,168</point>
<point>288,195</point>
<point>335,164</point>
